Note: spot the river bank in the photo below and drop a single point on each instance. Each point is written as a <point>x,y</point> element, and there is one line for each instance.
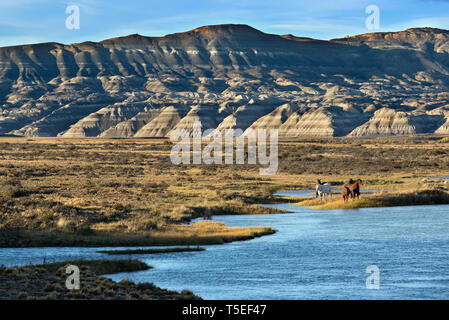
<point>203,233</point>
<point>47,282</point>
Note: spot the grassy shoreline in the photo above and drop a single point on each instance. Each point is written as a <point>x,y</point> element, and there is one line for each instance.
<point>151,251</point>
<point>419,197</point>
<point>47,282</point>
<point>214,233</point>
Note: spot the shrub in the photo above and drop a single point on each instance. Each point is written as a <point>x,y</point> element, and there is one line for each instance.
<point>22,295</point>
<point>49,287</point>
<point>84,230</point>
<point>65,224</point>
<point>11,187</point>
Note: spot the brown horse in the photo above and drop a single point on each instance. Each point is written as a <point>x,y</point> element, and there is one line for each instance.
<point>354,188</point>
<point>345,193</point>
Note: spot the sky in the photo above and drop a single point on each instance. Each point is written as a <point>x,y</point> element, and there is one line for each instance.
<point>34,21</point>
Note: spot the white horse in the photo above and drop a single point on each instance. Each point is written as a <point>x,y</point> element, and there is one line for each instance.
<point>323,190</point>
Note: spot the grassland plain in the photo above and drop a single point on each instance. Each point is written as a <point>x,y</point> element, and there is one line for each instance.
<point>105,192</point>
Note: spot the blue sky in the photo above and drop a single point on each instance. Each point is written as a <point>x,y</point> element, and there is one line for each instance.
<point>31,21</point>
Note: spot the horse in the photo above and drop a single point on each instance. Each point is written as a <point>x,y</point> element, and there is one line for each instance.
<point>354,188</point>
<point>323,189</point>
<point>345,193</point>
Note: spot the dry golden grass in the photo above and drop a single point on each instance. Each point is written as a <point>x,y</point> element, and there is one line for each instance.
<point>409,198</point>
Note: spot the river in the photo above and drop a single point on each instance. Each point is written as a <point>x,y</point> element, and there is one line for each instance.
<point>315,254</point>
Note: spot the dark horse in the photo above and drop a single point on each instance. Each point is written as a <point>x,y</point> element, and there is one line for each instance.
<point>352,191</point>
<point>354,188</point>
<point>345,193</point>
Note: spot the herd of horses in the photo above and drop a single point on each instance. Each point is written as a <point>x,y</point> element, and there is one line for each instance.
<point>352,190</point>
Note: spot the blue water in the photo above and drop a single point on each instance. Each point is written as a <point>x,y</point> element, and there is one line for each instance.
<point>295,193</point>
<point>315,254</point>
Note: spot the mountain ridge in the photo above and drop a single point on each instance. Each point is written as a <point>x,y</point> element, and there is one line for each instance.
<point>227,76</point>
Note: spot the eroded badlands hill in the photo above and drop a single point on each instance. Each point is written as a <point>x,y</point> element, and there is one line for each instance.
<point>229,76</point>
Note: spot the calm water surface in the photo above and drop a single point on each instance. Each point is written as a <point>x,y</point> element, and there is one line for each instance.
<point>315,254</point>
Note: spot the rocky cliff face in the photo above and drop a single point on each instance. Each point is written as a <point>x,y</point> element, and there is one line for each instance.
<point>229,76</point>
